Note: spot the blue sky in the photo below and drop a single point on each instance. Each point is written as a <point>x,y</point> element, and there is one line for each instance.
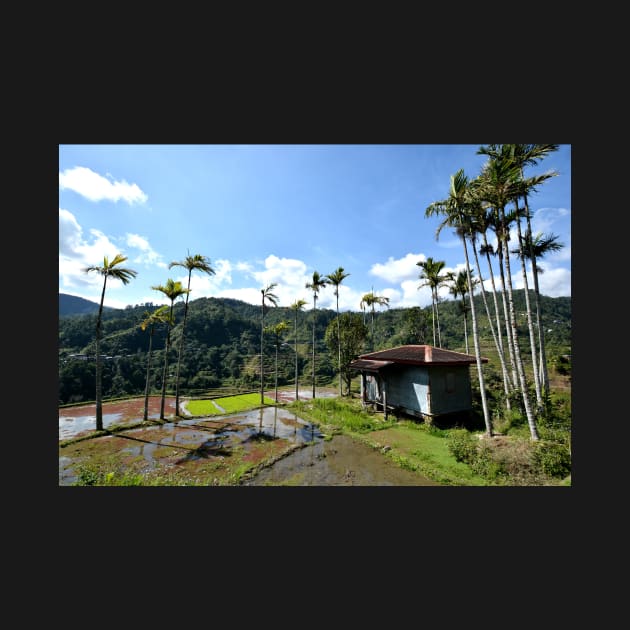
<point>269,214</point>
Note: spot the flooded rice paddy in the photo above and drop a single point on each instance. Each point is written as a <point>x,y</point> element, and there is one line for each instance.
<point>298,451</point>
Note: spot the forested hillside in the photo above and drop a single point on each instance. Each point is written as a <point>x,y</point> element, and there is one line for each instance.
<point>73,305</point>
<point>222,343</point>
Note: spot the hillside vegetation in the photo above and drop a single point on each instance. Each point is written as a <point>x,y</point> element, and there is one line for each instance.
<point>222,345</point>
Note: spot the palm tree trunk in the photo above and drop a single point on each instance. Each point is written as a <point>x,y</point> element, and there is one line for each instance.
<point>339,344</point>
<point>372,336</point>
<point>465,325</point>
<point>181,348</point>
<point>437,317</point>
<point>145,417</point>
<point>528,311</point>
<point>508,330</point>
<point>313,366</point>
<point>164,369</point>
<point>276,370</point>
<point>262,332</point>
<point>99,364</point>
<point>517,355</point>
<point>541,332</point>
<point>482,387</point>
<point>497,337</point>
<point>433,317</point>
<point>296,359</point>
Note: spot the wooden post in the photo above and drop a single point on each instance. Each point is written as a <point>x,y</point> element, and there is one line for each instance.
<point>363,388</point>
<point>384,399</point>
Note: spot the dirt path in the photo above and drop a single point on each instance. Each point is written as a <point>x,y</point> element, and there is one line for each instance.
<point>341,461</point>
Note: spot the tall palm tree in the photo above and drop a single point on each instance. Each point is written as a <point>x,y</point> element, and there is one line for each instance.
<point>432,278</point>
<point>296,307</point>
<point>172,290</point>
<point>267,296</point>
<point>336,278</point>
<point>316,284</point>
<point>535,248</point>
<point>159,316</point>
<point>525,155</point>
<point>459,288</point>
<point>109,269</point>
<point>457,210</point>
<point>277,330</point>
<point>483,218</point>
<point>501,184</point>
<point>370,300</point>
<point>191,263</point>
<point>528,155</point>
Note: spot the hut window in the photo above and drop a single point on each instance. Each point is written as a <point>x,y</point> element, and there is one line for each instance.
<point>450,382</point>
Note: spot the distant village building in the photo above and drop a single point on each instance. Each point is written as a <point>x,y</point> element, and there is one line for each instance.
<point>419,380</point>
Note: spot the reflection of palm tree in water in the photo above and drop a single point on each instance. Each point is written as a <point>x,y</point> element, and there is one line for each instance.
<point>275,419</point>
<point>312,462</point>
<point>261,410</point>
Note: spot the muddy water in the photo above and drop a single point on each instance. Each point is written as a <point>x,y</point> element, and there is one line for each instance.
<point>341,461</point>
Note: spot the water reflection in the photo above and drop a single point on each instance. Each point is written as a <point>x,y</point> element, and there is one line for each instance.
<point>198,437</point>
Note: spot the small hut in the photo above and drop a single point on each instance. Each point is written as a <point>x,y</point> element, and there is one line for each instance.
<point>419,380</point>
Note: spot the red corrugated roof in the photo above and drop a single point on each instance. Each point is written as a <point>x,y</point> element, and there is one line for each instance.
<point>369,366</point>
<point>421,355</point>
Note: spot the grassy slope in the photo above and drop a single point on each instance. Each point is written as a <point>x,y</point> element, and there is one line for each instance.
<point>412,445</point>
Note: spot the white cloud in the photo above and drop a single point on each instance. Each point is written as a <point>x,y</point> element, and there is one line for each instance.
<point>546,219</point>
<point>95,187</point>
<point>555,282</point>
<point>147,255</point>
<point>76,253</point>
<point>251,296</point>
<point>552,282</point>
<point>205,285</point>
<point>70,233</point>
<point>398,270</point>
<point>244,267</point>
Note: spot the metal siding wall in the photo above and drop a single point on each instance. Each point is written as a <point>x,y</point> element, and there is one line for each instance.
<point>445,402</point>
<point>408,388</point>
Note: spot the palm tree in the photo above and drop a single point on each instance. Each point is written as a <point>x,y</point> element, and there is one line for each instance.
<point>109,269</point>
<point>459,287</point>
<point>457,210</point>
<point>277,330</point>
<point>527,155</point>
<point>431,275</point>
<point>483,222</point>
<point>480,221</point>
<point>267,296</point>
<point>316,284</point>
<point>534,249</point>
<point>336,278</point>
<point>501,184</point>
<point>296,307</point>
<point>370,300</point>
<point>159,316</point>
<point>172,290</point>
<point>192,263</point>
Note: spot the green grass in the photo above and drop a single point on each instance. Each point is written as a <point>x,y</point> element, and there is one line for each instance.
<point>417,447</point>
<point>231,404</point>
<point>344,414</point>
<point>411,445</point>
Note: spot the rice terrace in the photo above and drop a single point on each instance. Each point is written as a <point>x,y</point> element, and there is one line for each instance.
<point>420,336</point>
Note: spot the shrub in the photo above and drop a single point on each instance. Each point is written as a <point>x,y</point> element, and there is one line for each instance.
<point>485,465</point>
<point>552,458</point>
<point>462,446</point>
